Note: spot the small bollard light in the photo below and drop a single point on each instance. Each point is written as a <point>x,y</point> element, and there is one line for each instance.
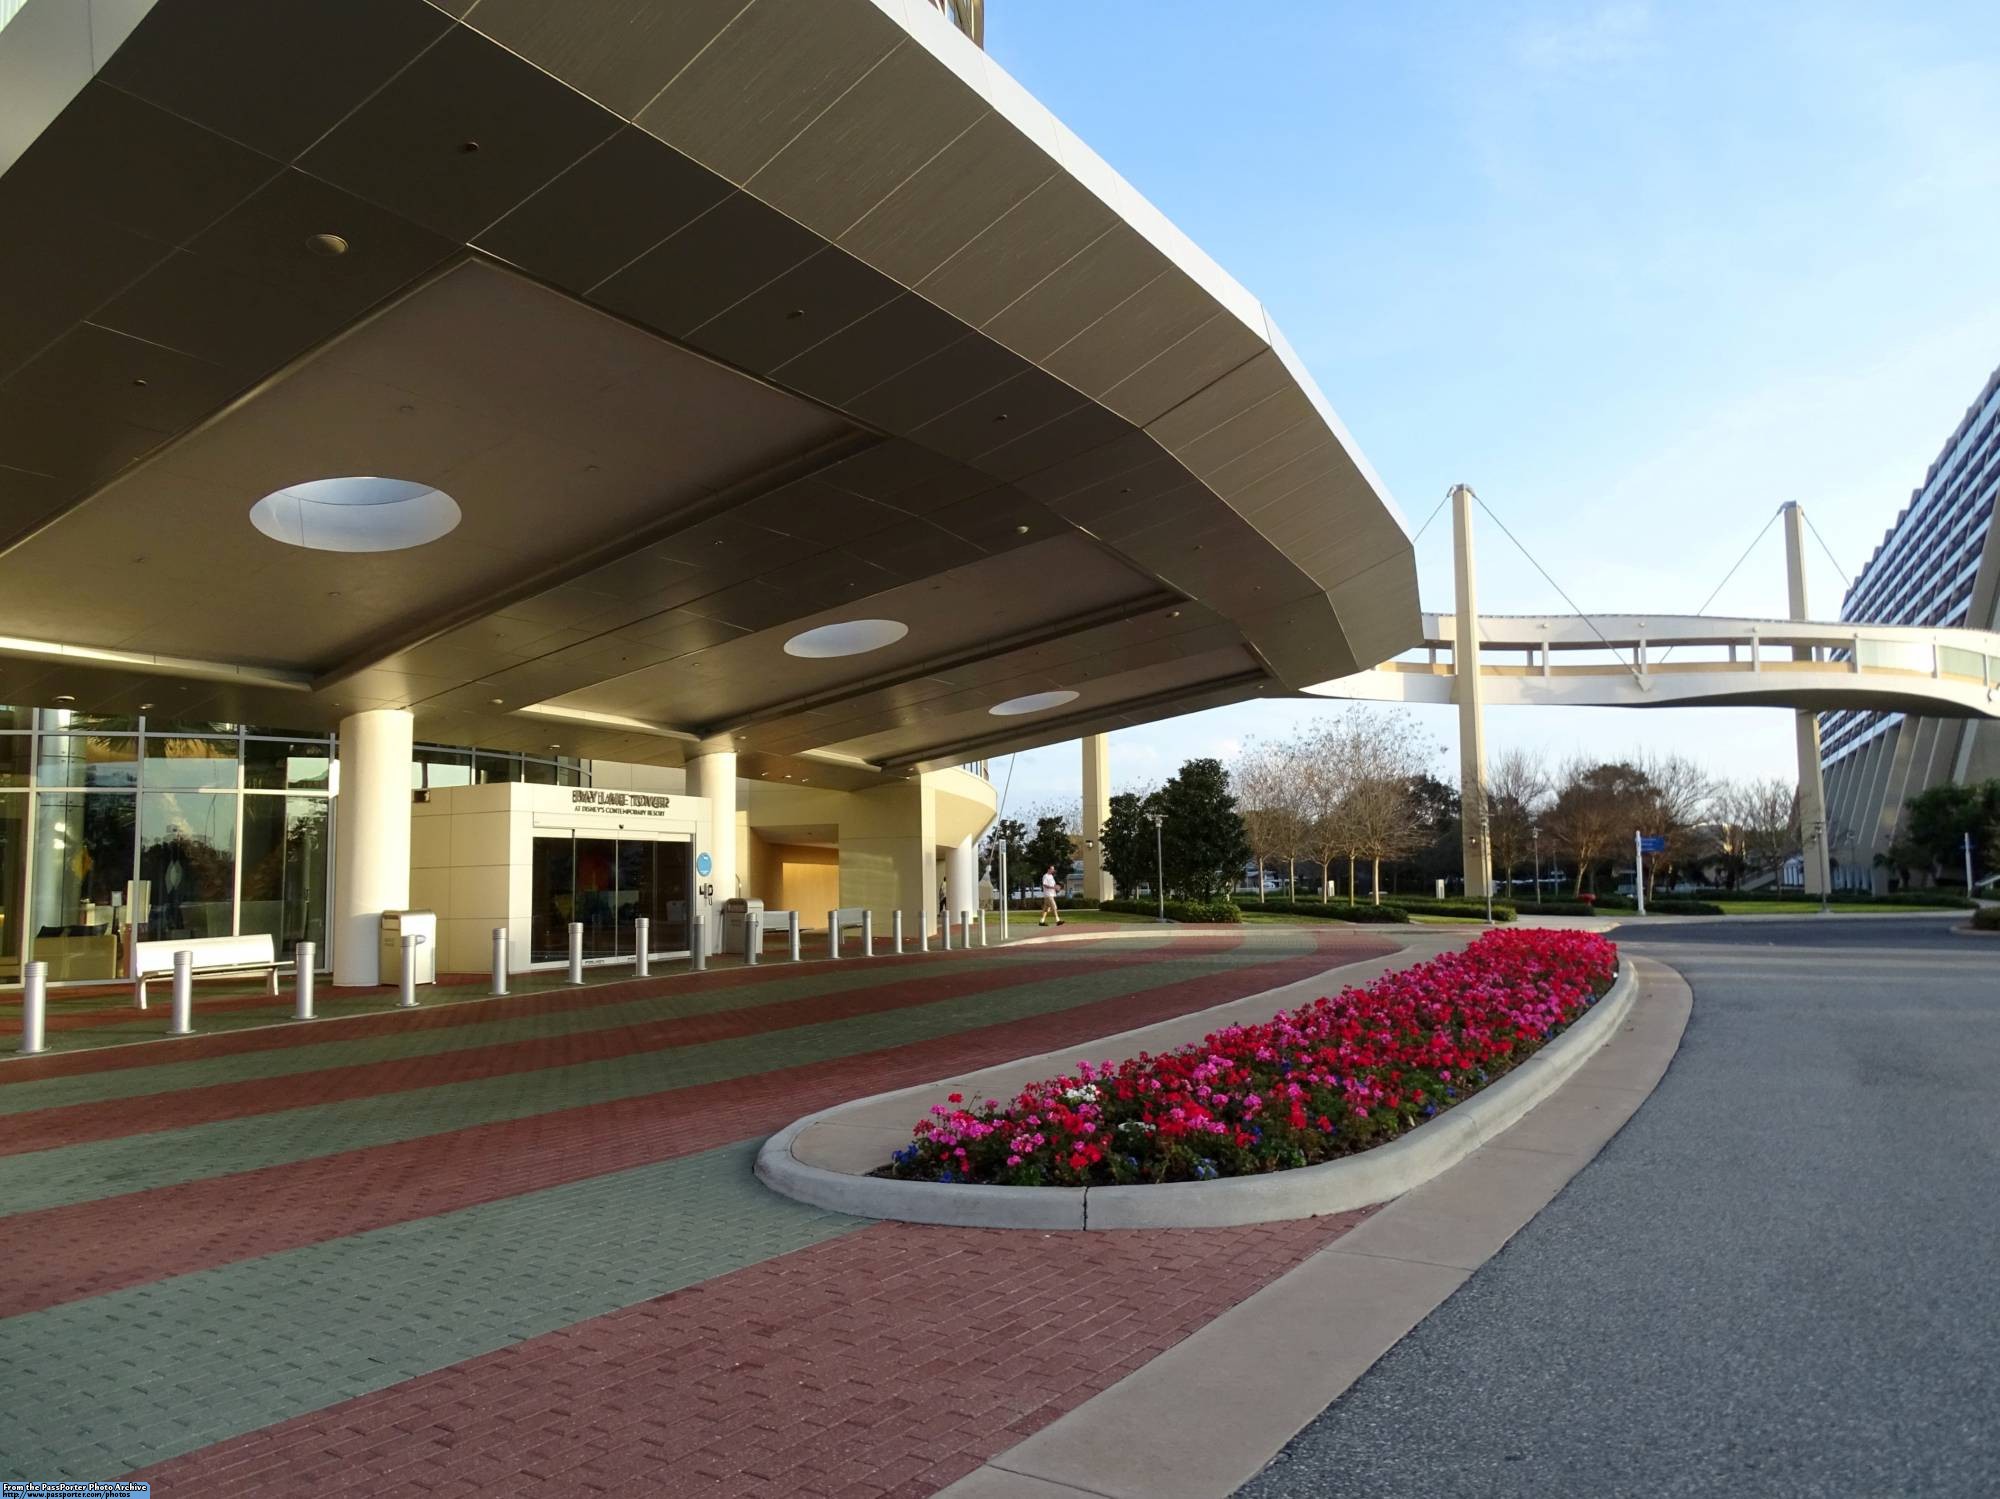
<point>982,927</point>
<point>923,929</point>
<point>896,933</point>
<point>406,981</point>
<point>833,934</point>
<point>34,1008</point>
<point>868,932</point>
<point>183,1015</point>
<point>753,939</point>
<point>792,926</point>
<point>303,960</point>
<point>499,984</point>
<point>576,952</point>
<point>642,944</point>
<point>698,946</point>
<point>965,930</point>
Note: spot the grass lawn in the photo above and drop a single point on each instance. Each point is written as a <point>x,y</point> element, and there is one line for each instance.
<point>1086,918</point>
<point>1254,917</point>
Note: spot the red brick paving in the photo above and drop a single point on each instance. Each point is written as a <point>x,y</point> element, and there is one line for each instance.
<point>85,1249</point>
<point>890,1362</point>
<point>80,1123</point>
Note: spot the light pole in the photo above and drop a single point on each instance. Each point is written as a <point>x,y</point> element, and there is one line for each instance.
<point>1159,862</point>
<point>1535,836</point>
<point>1825,868</point>
<point>1486,854</point>
<point>1968,865</point>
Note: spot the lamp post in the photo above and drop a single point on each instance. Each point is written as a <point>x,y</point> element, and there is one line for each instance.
<point>1817,840</point>
<point>1968,865</point>
<point>1535,837</point>
<point>1486,855</point>
<point>1159,862</point>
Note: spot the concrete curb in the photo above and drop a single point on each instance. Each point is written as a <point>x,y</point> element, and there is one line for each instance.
<point>1337,1186</point>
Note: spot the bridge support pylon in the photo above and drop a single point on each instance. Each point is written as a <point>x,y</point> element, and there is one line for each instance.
<point>1816,836</point>
<point>1476,857</point>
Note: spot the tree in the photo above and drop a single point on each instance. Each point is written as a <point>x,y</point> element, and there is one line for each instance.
<point>1128,841</point>
<point>1517,787</point>
<point>1014,835</point>
<point>1596,808</point>
<point>1363,771</point>
<point>1203,842</point>
<point>1675,803</point>
<point>1937,821</point>
<point>1759,825</point>
<point>1267,781</point>
<point>1434,805</point>
<point>1050,847</point>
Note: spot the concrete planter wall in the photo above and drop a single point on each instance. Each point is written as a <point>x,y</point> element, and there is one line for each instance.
<point>1336,1186</point>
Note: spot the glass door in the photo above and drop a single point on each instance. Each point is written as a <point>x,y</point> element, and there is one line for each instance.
<point>554,898</point>
<point>607,884</point>
<point>653,881</point>
<point>597,898</point>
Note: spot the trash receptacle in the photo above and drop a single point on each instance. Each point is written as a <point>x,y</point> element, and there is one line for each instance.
<point>737,914</point>
<point>397,925</point>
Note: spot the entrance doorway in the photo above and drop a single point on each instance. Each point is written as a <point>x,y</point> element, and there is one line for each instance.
<point>607,884</point>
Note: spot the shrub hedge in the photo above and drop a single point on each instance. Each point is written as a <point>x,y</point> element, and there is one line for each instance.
<point>1672,906</point>
<point>1554,907</point>
<point>1332,910</point>
<point>1202,912</point>
<point>1986,919</point>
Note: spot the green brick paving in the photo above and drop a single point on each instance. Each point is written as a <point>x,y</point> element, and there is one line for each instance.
<point>136,1082</point>
<point>258,1342</point>
<point>82,1173</point>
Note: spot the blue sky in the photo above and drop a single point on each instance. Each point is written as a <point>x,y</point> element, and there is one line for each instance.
<point>1636,272</point>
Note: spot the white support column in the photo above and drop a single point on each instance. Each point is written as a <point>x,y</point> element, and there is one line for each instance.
<point>1473,855</point>
<point>1097,885</point>
<point>961,879</point>
<point>1812,786</point>
<point>711,775</point>
<point>371,871</point>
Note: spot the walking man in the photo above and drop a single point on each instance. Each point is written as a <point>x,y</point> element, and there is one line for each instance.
<point>1049,888</point>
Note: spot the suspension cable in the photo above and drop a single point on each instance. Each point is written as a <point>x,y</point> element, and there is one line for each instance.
<point>1429,518</point>
<point>1807,518</point>
<point>1733,571</point>
<point>1630,666</point>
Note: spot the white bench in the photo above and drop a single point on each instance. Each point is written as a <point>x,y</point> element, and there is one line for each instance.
<point>212,956</point>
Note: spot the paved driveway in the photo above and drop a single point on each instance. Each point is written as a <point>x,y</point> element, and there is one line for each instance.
<point>1783,1276</point>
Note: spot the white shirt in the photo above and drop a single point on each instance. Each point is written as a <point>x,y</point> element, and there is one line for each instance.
<point>1048,884</point>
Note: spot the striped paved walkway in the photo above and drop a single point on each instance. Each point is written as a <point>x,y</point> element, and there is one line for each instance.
<point>515,1244</point>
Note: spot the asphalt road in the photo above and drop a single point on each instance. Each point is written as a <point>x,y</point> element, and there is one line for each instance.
<point>1781,1278</point>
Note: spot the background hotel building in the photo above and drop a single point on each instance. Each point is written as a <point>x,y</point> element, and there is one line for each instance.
<point>1938,565</point>
<point>769,407</point>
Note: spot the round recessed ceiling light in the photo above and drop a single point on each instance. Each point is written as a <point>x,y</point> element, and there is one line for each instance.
<point>356,515</point>
<point>851,637</point>
<point>65,697</point>
<point>328,245</point>
<point>1034,702</point>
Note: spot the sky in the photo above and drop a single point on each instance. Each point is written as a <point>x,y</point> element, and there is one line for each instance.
<point>1635,272</point>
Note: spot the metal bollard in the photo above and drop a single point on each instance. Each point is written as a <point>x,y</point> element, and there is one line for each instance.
<point>868,932</point>
<point>833,934</point>
<point>964,929</point>
<point>982,927</point>
<point>303,960</point>
<point>499,985</point>
<point>753,939</point>
<point>576,952</point>
<point>923,929</point>
<point>793,933</point>
<point>642,943</point>
<point>183,1022</point>
<point>34,1007</point>
<point>139,990</point>
<point>406,981</point>
<point>944,931</point>
<point>698,946</point>
<point>896,933</point>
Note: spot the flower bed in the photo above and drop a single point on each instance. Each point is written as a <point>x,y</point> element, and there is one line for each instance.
<point>1334,1077</point>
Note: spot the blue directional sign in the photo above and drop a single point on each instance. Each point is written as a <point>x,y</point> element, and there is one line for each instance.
<point>1652,845</point>
<point>703,864</point>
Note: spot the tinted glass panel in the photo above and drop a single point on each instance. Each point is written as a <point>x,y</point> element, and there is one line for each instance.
<point>86,760</point>
<point>285,765</point>
<point>554,897</point>
<point>596,897</point>
<point>182,762</point>
<point>13,869</point>
<point>284,870</point>
<point>83,859</point>
<point>16,759</point>
<point>187,849</point>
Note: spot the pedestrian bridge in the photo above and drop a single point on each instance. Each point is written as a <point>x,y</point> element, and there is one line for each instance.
<point>1681,661</point>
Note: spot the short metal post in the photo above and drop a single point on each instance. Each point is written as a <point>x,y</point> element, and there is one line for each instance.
<point>965,929</point>
<point>896,933</point>
<point>833,934</point>
<point>792,931</point>
<point>944,931</point>
<point>139,990</point>
<point>982,926</point>
<point>698,945</point>
<point>499,984</point>
<point>183,1021</point>
<point>576,952</point>
<point>923,929</point>
<point>303,960</point>
<point>34,1007</point>
<point>753,937</point>
<point>642,943</point>
<point>868,928</point>
<point>406,981</point>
